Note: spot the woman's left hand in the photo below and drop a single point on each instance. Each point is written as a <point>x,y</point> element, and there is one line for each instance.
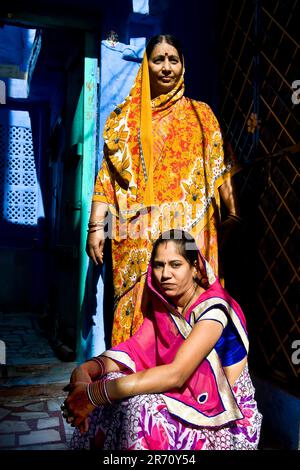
<point>228,228</point>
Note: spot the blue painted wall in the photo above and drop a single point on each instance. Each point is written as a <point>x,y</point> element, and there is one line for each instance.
<point>119,66</point>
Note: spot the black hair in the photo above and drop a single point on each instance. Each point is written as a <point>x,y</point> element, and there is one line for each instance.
<point>186,244</point>
<point>169,39</point>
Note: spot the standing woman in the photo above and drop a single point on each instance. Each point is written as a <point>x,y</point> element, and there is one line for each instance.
<point>163,168</point>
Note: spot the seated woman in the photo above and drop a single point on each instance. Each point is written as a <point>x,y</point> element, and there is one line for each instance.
<point>181,382</point>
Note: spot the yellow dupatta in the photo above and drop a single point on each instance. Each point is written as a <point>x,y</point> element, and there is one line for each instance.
<point>129,144</point>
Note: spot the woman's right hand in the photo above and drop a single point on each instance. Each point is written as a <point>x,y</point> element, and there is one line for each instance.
<point>84,373</point>
<point>95,244</point>
<point>79,375</point>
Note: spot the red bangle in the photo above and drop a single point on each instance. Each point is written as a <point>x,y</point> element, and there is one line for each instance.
<point>100,363</point>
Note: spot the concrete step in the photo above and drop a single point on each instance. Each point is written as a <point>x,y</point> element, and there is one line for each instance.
<point>34,379</point>
<point>40,391</point>
<point>53,369</point>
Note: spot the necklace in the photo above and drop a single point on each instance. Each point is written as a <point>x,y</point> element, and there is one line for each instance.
<point>189,300</point>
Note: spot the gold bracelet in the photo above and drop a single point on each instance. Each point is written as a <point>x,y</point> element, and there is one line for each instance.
<point>94,229</point>
<point>96,223</point>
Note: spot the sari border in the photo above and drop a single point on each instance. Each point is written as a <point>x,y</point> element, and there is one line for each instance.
<point>184,327</point>
<point>206,304</point>
<point>121,357</point>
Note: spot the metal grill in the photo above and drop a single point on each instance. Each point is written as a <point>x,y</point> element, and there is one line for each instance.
<point>18,176</point>
<point>238,76</point>
<point>261,55</point>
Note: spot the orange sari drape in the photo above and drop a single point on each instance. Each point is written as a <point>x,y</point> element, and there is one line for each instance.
<point>163,163</point>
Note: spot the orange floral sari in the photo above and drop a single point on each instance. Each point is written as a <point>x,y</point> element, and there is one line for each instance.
<point>163,164</point>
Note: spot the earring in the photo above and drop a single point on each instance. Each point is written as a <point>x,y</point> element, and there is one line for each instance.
<point>198,279</point>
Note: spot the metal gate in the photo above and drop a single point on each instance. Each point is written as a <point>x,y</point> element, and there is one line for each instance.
<point>260,114</point>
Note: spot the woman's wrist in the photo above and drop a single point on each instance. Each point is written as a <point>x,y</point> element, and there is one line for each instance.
<point>98,213</point>
<point>96,222</point>
<point>95,225</point>
<point>97,393</point>
<point>98,217</point>
<point>235,217</point>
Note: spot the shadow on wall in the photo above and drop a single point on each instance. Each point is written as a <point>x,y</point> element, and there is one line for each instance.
<point>281,416</point>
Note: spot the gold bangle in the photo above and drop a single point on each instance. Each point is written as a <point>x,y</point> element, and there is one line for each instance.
<point>96,223</point>
<point>94,229</point>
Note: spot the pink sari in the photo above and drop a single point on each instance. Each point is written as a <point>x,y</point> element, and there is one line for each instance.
<point>206,413</point>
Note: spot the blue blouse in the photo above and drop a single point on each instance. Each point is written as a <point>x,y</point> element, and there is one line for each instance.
<point>230,347</point>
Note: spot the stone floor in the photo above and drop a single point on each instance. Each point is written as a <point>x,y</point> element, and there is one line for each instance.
<point>33,424</point>
<point>31,388</point>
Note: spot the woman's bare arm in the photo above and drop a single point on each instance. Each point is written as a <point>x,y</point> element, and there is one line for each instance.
<point>96,236</point>
<point>90,370</point>
<point>228,194</point>
<point>160,379</point>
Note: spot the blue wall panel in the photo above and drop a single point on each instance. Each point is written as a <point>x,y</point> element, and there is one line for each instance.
<point>119,66</point>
